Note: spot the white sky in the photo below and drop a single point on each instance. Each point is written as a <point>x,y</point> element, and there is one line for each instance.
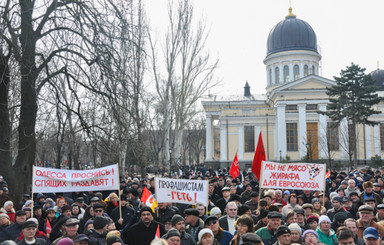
<point>347,31</point>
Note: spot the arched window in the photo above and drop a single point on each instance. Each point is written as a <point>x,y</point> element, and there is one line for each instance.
<point>270,77</point>
<point>277,75</point>
<point>296,72</point>
<point>313,69</point>
<point>286,73</point>
<point>305,70</point>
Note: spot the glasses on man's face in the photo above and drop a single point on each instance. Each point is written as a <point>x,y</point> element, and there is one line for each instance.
<point>212,222</point>
<point>98,210</point>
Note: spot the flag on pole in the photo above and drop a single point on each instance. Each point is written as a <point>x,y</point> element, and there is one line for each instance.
<point>48,227</point>
<point>328,174</point>
<point>148,199</point>
<point>234,170</point>
<point>258,158</point>
<point>157,235</point>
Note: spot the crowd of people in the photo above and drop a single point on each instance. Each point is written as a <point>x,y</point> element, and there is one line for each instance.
<point>350,211</point>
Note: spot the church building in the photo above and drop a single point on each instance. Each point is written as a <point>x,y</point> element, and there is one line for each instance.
<point>287,115</point>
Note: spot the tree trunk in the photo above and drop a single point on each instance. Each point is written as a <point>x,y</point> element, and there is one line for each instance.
<point>5,128</point>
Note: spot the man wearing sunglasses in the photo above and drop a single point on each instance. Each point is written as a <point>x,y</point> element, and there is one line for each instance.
<point>98,209</point>
<point>222,236</point>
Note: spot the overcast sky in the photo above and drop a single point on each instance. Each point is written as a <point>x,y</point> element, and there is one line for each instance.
<point>347,31</point>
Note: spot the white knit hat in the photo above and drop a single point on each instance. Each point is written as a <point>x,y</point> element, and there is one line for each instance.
<point>324,218</point>
<point>295,227</point>
<point>203,232</point>
<point>7,203</point>
<point>215,211</point>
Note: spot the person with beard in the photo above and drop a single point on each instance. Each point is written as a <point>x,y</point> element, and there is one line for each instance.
<point>143,231</point>
<point>164,212</point>
<point>354,196</point>
<point>377,189</point>
<point>347,206</point>
<point>368,192</point>
<point>178,223</point>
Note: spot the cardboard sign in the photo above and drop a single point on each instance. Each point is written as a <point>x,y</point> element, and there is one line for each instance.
<point>299,176</point>
<point>62,180</point>
<point>181,191</point>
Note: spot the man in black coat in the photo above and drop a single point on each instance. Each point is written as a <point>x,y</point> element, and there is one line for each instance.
<point>164,212</point>
<point>98,234</point>
<point>144,231</point>
<point>128,214</point>
<point>13,231</point>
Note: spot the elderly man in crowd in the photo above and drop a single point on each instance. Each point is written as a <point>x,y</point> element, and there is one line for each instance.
<point>227,222</point>
<point>367,220</point>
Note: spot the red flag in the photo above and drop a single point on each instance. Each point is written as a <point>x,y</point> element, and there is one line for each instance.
<point>234,170</point>
<point>157,235</point>
<point>328,174</point>
<point>48,227</point>
<point>258,158</point>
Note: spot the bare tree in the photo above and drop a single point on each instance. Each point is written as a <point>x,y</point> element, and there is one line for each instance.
<point>189,72</point>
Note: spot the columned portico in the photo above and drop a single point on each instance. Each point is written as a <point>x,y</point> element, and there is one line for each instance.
<point>323,130</point>
<point>344,138</point>
<point>302,130</point>
<point>368,143</point>
<point>281,131</point>
<point>376,133</point>
<point>209,138</point>
<point>223,142</point>
<point>241,142</point>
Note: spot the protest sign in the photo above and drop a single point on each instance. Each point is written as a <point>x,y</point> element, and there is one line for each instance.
<point>299,176</point>
<point>62,180</point>
<point>181,191</point>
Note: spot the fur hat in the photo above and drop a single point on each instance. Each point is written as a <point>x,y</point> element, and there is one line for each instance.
<point>367,184</point>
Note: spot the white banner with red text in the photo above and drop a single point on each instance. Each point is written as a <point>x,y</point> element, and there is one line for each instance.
<point>62,180</point>
<point>300,176</point>
<point>181,191</point>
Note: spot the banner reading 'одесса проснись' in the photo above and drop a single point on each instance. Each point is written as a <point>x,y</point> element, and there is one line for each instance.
<point>300,176</point>
<point>61,180</point>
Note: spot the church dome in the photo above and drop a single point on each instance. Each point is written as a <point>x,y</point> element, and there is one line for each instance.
<point>291,34</point>
<point>378,76</point>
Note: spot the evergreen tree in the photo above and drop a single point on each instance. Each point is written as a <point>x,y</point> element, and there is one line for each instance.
<point>352,98</point>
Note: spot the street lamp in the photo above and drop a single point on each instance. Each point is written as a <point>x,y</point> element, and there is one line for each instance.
<point>280,155</point>
<point>307,145</point>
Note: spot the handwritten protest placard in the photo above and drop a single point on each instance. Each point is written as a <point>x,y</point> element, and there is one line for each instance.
<point>300,176</point>
<point>62,180</point>
<point>181,191</point>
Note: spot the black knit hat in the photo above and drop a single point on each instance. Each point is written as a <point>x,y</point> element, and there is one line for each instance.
<point>100,222</point>
<point>176,219</point>
<point>146,209</point>
<point>172,232</point>
<point>243,209</point>
<point>283,229</point>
